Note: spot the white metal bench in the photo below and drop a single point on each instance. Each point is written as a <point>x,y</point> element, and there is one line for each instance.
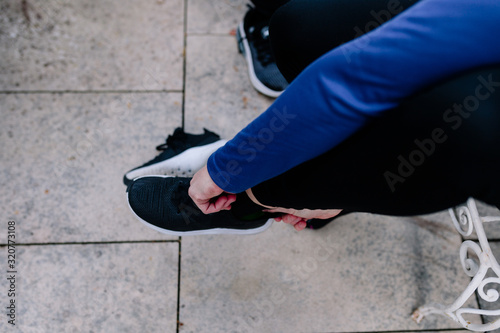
<point>466,219</point>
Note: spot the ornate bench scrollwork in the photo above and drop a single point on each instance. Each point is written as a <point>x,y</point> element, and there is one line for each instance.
<point>466,219</point>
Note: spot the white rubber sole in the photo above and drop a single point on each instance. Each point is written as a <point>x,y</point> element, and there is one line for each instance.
<point>186,164</point>
<point>215,231</point>
<point>259,86</point>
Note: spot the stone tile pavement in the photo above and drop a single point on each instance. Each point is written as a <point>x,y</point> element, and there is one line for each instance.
<point>87,90</point>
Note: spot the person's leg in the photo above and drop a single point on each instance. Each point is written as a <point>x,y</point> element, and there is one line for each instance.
<point>431,153</point>
<point>303,30</point>
<point>268,7</point>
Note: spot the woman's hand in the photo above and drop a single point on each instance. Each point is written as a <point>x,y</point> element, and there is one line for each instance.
<point>209,197</point>
<point>295,217</point>
<point>298,218</point>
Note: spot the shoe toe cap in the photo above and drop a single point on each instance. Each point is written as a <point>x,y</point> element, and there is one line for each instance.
<point>146,198</point>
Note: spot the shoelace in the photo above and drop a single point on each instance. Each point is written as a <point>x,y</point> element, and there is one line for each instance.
<point>176,196</point>
<point>175,141</point>
<point>179,197</point>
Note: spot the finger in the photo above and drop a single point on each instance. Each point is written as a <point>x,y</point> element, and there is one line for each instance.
<point>204,206</point>
<point>225,200</point>
<point>214,206</point>
<point>222,202</point>
<point>200,200</point>
<point>231,198</point>
<point>286,219</point>
<point>301,225</point>
<point>291,219</point>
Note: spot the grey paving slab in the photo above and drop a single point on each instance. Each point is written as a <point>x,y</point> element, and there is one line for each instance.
<point>362,273</point>
<point>95,288</point>
<point>63,157</point>
<point>219,95</point>
<point>105,45</point>
<point>215,17</point>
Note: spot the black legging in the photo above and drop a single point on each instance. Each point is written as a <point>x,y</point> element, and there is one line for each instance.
<point>432,152</point>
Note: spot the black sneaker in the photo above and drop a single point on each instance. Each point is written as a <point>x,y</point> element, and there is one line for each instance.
<point>182,154</point>
<point>163,204</point>
<point>253,42</point>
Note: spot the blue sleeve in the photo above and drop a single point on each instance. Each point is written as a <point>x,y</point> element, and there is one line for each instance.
<point>341,91</point>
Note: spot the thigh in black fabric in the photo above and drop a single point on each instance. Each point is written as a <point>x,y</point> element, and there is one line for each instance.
<point>435,150</point>
<point>268,6</point>
<point>303,30</point>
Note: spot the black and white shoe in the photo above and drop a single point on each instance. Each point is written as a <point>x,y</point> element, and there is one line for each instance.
<point>182,154</point>
<point>163,204</point>
<point>253,42</point>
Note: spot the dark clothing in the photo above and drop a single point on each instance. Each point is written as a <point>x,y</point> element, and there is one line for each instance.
<point>433,150</point>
